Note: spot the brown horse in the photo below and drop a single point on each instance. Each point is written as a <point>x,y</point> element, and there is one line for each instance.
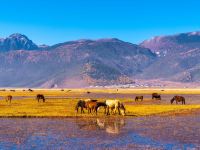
<point>91,105</point>
<point>40,97</point>
<point>8,98</point>
<point>156,96</point>
<point>82,104</point>
<point>137,98</point>
<point>178,99</point>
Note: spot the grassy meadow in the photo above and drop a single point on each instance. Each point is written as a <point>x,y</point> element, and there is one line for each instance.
<point>61,103</point>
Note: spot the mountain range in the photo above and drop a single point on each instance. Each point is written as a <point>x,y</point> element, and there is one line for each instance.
<point>102,62</point>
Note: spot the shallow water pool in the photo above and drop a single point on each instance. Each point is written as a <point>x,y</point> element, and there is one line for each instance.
<point>172,132</point>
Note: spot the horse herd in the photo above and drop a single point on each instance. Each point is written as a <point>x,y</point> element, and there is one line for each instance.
<point>110,106</point>
<point>158,97</point>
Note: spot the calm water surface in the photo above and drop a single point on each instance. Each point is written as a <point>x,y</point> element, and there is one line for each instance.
<point>177,132</point>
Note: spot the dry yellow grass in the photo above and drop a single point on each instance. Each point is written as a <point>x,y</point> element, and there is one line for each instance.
<point>145,110</point>
<point>29,107</point>
<point>69,92</point>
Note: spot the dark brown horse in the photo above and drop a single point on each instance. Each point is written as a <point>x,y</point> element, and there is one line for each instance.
<point>137,98</point>
<point>40,97</point>
<point>101,104</point>
<point>81,104</point>
<point>8,98</point>
<point>178,99</point>
<point>156,96</point>
<point>30,90</point>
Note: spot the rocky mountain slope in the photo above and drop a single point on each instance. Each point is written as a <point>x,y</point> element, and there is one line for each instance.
<point>71,64</point>
<point>101,62</point>
<point>17,42</point>
<point>178,57</point>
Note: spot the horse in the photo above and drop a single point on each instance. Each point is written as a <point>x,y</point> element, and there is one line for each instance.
<point>40,96</point>
<point>156,96</point>
<point>137,98</point>
<point>30,90</point>
<point>100,104</point>
<point>82,104</point>
<point>115,105</point>
<point>88,104</point>
<point>113,108</point>
<point>8,98</point>
<point>91,106</point>
<point>178,99</point>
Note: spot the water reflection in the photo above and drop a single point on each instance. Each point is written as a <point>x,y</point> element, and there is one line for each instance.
<point>109,125</point>
<point>112,126</point>
<point>98,133</point>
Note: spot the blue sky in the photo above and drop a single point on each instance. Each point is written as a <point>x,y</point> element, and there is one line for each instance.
<point>54,21</point>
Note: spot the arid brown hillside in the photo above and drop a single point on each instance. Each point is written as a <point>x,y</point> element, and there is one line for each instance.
<point>74,64</point>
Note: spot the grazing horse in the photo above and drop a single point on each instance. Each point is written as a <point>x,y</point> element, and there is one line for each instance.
<point>115,105</point>
<point>156,96</point>
<point>178,99</point>
<point>100,104</point>
<point>137,98</point>
<point>82,104</point>
<point>8,98</point>
<point>40,97</point>
<point>91,106</point>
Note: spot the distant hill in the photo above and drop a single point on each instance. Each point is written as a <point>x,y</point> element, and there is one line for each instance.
<point>71,64</point>
<point>179,43</point>
<point>178,57</point>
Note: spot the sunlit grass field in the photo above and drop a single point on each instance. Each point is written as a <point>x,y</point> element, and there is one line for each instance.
<point>61,103</point>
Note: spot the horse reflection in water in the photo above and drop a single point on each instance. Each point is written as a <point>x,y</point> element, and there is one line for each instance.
<point>109,125</point>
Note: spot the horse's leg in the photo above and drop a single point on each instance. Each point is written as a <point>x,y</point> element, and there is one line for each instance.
<point>83,109</point>
<point>104,109</point>
<point>76,109</point>
<point>96,110</point>
<point>119,111</point>
<point>108,113</point>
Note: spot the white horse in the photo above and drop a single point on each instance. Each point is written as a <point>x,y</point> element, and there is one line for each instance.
<point>115,105</point>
